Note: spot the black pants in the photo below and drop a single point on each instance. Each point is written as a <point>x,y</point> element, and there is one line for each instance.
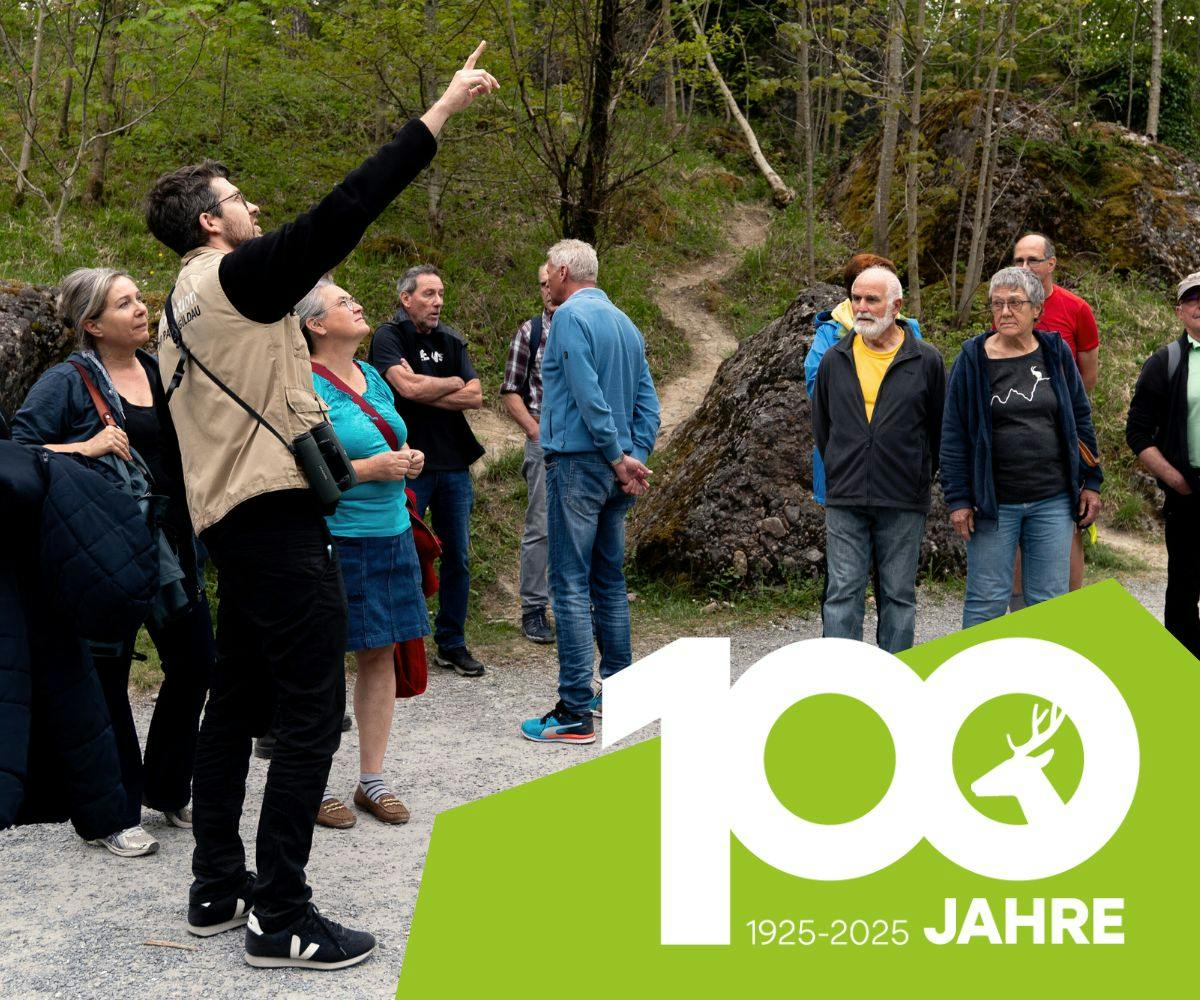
<point>281,630</point>
<point>1181,614</point>
<point>185,649</point>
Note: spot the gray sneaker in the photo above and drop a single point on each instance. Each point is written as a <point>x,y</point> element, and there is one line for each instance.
<point>181,818</point>
<point>131,843</point>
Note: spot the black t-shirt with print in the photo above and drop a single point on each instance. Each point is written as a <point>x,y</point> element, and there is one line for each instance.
<point>1027,457</point>
<point>443,435</point>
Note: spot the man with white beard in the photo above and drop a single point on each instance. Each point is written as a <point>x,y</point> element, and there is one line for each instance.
<point>877,422</point>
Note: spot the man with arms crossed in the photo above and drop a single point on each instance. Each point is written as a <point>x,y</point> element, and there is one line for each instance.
<point>599,422</point>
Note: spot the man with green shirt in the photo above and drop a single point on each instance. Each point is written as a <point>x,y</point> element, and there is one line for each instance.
<point>1163,429</point>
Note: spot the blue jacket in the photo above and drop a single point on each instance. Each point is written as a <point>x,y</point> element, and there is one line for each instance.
<point>597,393</point>
<point>828,332</point>
<point>58,755</point>
<point>967,479</point>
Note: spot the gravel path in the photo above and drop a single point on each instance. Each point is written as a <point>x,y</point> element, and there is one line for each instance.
<point>75,920</point>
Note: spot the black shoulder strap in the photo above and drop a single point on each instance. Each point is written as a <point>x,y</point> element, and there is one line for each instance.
<point>186,355</point>
<point>535,340</point>
<point>1174,355</point>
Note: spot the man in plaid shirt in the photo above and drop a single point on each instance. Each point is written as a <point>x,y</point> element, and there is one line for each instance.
<point>522,395</point>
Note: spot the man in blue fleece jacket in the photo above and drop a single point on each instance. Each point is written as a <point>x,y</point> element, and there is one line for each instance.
<point>599,423</point>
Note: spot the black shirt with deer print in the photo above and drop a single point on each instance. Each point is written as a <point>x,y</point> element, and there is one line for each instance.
<point>1027,456</point>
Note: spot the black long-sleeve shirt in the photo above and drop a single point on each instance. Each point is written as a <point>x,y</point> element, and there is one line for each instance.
<point>265,277</point>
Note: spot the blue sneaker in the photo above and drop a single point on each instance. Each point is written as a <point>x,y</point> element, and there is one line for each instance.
<point>559,726</point>
<point>595,705</point>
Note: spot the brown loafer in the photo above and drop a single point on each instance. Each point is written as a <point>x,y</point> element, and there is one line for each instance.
<point>336,815</point>
<point>388,809</point>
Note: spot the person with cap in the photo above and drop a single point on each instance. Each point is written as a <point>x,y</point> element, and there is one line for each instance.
<point>1163,429</point>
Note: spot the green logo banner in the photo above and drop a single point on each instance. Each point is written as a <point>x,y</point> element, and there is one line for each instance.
<point>1008,758</point>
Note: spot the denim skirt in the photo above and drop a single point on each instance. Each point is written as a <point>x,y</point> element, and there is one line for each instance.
<point>383,591</point>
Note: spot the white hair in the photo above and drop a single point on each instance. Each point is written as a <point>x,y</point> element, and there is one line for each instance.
<point>577,257</point>
<point>313,304</point>
<point>891,283</point>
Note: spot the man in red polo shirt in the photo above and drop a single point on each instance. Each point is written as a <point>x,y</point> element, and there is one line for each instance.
<point>1071,317</point>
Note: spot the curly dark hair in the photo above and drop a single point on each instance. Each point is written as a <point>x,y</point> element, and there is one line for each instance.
<point>174,204</point>
<point>859,263</point>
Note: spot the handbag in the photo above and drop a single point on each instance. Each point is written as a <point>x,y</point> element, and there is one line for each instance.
<point>409,659</point>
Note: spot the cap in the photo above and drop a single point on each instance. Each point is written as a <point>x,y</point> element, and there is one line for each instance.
<point>1188,283</point>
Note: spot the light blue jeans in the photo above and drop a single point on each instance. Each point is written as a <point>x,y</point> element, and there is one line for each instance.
<point>1043,529</point>
<point>856,538</point>
<point>585,515</point>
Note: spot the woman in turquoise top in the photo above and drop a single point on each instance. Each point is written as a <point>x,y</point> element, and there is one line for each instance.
<point>373,535</point>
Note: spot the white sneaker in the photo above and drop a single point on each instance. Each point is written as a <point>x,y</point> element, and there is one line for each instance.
<point>131,843</point>
<point>181,818</point>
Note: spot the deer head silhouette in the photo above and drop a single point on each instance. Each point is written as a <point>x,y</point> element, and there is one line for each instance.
<point>1023,776</point>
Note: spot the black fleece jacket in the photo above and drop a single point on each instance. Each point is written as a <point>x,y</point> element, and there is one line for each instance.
<point>891,461</point>
<point>1158,413</point>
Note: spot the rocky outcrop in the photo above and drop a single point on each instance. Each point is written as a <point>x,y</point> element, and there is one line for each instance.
<point>732,501</point>
<point>31,339</point>
<point>1097,189</point>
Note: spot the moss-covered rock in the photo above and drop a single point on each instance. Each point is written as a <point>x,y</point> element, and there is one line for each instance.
<point>1096,189</point>
<point>31,339</point>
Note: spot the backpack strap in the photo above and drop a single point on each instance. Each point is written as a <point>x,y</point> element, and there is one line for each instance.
<point>535,341</point>
<point>1174,356</point>
<point>373,414</point>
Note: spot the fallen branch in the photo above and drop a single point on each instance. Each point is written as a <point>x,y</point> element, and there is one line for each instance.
<point>170,944</point>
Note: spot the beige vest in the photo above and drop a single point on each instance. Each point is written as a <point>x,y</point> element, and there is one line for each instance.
<point>227,456</point>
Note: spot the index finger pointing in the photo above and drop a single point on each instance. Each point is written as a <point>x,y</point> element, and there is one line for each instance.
<point>471,59</point>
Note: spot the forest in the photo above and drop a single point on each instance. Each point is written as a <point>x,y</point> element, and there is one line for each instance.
<point>926,130</point>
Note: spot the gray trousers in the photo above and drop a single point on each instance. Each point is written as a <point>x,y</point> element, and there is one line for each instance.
<point>535,547</point>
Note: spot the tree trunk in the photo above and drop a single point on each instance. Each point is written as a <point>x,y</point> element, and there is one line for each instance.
<point>64,109</point>
<point>783,195</point>
<point>891,126</point>
<point>29,112</point>
<point>1132,59</point>
<point>669,112</point>
<point>93,191</point>
<point>978,233</point>
<point>593,176</point>
<point>912,174</point>
<point>804,98</point>
<point>1156,39</point>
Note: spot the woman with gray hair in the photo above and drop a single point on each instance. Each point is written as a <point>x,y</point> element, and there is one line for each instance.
<point>106,403</point>
<point>1019,455</point>
<point>373,533</point>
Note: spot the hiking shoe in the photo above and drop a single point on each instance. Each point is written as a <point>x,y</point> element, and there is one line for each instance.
<point>388,809</point>
<point>535,627</point>
<point>217,915</point>
<point>335,814</point>
<point>559,726</point>
<point>312,942</point>
<point>180,818</point>
<point>596,704</point>
<point>264,746</point>
<point>460,660</point>
<point>131,843</point>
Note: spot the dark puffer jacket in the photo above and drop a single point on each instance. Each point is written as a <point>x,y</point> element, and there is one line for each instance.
<point>58,756</point>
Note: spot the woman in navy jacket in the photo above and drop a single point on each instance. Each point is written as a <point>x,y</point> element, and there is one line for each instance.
<point>1018,453</point>
<point>110,320</point>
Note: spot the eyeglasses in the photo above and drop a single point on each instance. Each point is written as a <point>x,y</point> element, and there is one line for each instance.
<point>1022,261</point>
<point>236,194</point>
<point>349,302</point>
<point>1012,305</point>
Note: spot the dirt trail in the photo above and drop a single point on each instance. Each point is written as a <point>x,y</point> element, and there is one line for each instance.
<point>679,297</point>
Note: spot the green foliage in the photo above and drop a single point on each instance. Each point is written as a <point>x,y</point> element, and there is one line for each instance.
<point>1108,86</point>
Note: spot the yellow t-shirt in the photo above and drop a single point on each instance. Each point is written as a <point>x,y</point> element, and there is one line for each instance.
<point>871,366</point>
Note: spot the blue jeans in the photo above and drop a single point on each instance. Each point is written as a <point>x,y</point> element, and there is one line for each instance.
<point>585,518</point>
<point>852,535</point>
<point>449,496</point>
<point>1043,529</point>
